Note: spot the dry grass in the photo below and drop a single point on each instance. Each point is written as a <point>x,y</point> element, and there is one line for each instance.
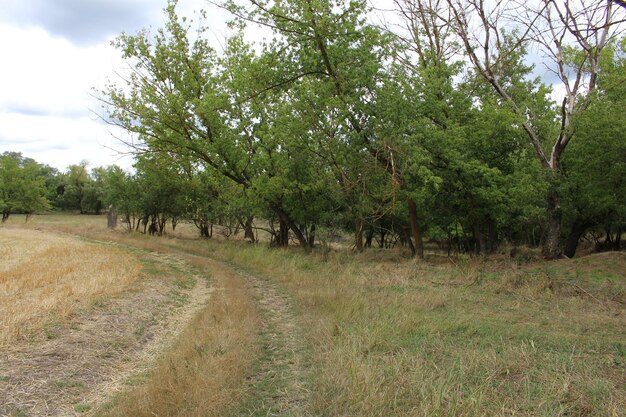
<point>203,373</point>
<point>395,337</point>
<point>44,275</point>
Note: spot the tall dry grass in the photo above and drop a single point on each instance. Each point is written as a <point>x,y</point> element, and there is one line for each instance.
<point>44,276</point>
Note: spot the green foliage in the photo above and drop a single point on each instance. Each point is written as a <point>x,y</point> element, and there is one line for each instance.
<point>22,185</point>
<point>332,122</point>
<point>595,166</point>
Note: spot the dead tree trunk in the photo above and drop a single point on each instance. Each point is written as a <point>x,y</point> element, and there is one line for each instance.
<point>111,218</point>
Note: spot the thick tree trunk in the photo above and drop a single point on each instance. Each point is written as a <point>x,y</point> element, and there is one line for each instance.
<point>551,247</point>
<point>358,235</point>
<point>204,230</point>
<point>479,240</point>
<point>112,218</point>
<point>578,228</point>
<point>416,232</point>
<point>282,239</point>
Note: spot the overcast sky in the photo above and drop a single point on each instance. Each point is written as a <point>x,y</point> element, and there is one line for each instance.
<point>53,53</point>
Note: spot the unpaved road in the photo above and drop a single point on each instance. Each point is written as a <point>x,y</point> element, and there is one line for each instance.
<point>80,364</point>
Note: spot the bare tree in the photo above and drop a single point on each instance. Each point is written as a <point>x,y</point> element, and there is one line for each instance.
<point>572,36</point>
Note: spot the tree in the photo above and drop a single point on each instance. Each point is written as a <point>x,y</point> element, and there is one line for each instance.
<point>595,166</point>
<point>22,185</point>
<point>74,182</point>
<point>573,37</point>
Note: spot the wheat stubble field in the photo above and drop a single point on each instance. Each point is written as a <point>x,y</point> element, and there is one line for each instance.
<point>110,323</point>
<point>43,275</point>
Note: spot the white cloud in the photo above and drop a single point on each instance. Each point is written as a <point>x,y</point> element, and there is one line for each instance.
<point>45,102</point>
<point>83,22</point>
<point>61,141</point>
<point>48,73</point>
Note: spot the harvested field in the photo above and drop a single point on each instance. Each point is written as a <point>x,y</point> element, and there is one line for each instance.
<point>45,276</point>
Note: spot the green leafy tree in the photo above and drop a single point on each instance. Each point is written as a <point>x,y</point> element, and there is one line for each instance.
<point>573,38</point>
<point>22,185</point>
<point>595,167</point>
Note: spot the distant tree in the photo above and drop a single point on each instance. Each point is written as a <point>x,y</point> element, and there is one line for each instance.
<point>22,185</point>
<point>71,190</point>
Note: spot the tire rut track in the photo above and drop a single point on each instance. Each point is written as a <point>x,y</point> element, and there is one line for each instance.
<point>280,384</point>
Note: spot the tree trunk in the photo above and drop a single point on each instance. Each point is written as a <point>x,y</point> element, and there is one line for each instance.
<point>578,228</point>
<point>112,218</point>
<point>416,232</point>
<point>410,243</point>
<point>383,237</point>
<point>551,247</point>
<point>311,237</point>
<point>479,240</point>
<point>358,235</point>
<point>492,235</point>
<point>369,236</point>
<point>282,239</point>
<point>161,224</point>
<point>286,223</point>
<point>248,230</point>
<point>204,230</point>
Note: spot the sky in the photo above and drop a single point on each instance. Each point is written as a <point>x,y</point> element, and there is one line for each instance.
<point>54,53</point>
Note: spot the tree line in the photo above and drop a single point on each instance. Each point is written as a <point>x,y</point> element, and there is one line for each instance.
<point>429,128</point>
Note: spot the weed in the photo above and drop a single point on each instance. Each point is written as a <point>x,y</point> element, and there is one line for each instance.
<point>82,408</point>
<point>68,383</point>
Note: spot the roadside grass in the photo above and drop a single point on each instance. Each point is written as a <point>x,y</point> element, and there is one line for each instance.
<point>391,336</point>
<point>45,277</point>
